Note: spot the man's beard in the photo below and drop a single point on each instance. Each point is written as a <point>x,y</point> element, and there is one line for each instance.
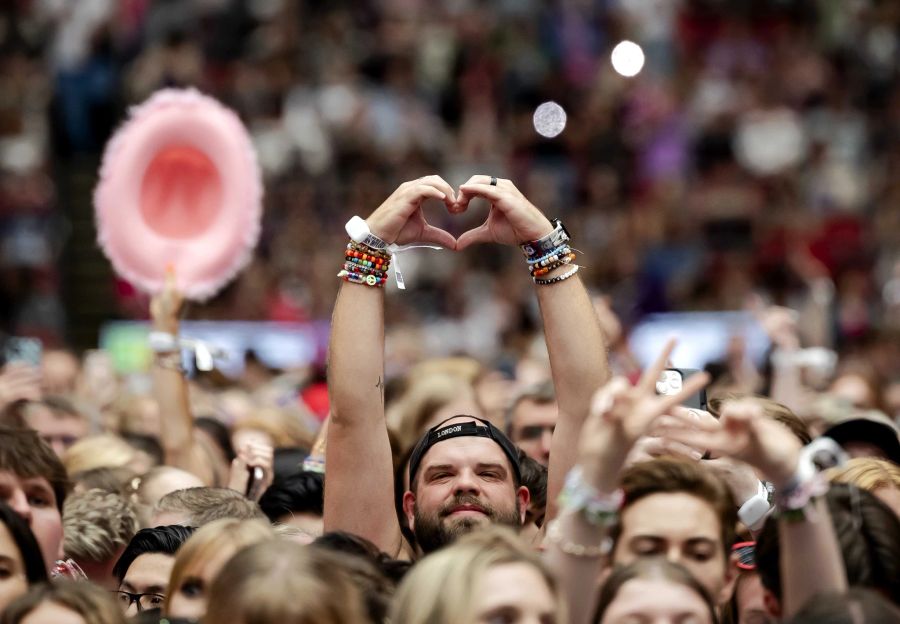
<point>435,531</point>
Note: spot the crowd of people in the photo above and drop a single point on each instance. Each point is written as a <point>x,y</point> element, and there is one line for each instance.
<point>591,496</point>
<point>483,446</point>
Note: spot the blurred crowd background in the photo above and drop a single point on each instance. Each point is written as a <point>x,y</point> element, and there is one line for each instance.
<point>754,161</point>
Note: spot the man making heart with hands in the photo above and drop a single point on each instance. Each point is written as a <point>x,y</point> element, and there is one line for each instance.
<point>463,473</point>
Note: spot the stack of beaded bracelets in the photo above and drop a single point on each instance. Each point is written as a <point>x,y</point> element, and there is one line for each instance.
<point>364,265</point>
<point>554,259</point>
<point>549,253</point>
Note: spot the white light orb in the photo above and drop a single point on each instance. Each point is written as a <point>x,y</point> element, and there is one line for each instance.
<point>549,119</point>
<point>627,58</point>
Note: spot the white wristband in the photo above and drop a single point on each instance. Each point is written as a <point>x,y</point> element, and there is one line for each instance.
<point>755,509</point>
<point>358,231</point>
<point>163,342</point>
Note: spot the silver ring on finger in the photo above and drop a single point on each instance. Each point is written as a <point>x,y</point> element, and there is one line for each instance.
<point>493,180</point>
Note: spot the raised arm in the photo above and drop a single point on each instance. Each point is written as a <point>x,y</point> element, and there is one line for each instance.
<point>571,327</point>
<point>170,389</point>
<point>358,464</point>
<point>805,531</point>
<point>620,415</point>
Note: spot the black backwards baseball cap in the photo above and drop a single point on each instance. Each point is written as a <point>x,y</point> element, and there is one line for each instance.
<point>480,429</point>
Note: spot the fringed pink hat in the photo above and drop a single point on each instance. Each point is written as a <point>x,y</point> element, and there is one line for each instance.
<point>179,188</point>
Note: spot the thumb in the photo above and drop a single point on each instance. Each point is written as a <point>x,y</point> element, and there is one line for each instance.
<point>481,234</point>
<point>431,234</point>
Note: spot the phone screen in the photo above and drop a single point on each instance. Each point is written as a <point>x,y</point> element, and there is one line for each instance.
<point>27,350</point>
<point>671,381</point>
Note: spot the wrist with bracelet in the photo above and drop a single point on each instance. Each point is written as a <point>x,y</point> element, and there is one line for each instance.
<point>167,350</point>
<point>754,511</point>
<point>548,253</point>
<point>808,482</point>
<point>579,498</point>
<point>597,508</point>
<point>369,257</point>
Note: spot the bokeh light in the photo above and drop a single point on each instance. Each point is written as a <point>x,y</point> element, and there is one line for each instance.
<point>627,58</point>
<point>549,119</point>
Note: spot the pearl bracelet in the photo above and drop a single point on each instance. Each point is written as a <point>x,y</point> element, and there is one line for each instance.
<point>559,278</point>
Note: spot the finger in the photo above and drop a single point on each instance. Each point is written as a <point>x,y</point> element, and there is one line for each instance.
<point>709,440</point>
<point>486,191</point>
<point>604,398</point>
<point>681,418</point>
<point>486,180</point>
<point>426,191</point>
<point>741,410</point>
<point>659,446</point>
<point>691,385</point>
<point>692,414</point>
<point>481,234</point>
<point>431,234</point>
<point>258,447</point>
<point>650,375</point>
<point>170,277</point>
<point>439,183</point>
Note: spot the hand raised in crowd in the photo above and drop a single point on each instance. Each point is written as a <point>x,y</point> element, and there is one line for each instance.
<point>739,476</point>
<point>512,219</point>
<point>655,443</point>
<point>744,433</point>
<point>165,306</point>
<point>250,456</point>
<point>780,325</point>
<point>400,219</point>
<point>19,381</point>
<point>621,414</point>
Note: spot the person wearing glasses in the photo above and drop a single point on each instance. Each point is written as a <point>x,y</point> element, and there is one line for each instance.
<point>145,566</point>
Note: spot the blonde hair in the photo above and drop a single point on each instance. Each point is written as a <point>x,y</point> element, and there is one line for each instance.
<point>209,540</point>
<point>279,581</point>
<point>867,473</point>
<point>440,588</point>
<point>97,525</point>
<point>99,451</point>
<point>410,415</point>
<point>285,427</point>
<point>466,368</point>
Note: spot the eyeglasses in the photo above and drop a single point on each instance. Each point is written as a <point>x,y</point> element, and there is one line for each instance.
<point>745,552</point>
<point>144,601</point>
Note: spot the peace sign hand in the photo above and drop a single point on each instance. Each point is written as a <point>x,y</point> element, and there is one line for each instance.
<point>621,414</point>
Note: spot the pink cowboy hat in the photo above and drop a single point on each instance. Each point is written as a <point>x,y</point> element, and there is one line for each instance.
<point>179,188</point>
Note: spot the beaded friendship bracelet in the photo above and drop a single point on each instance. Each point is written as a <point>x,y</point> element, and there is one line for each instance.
<point>542,260</point>
<point>558,262</point>
<point>559,278</point>
<point>357,278</point>
<point>568,547</point>
<point>365,265</point>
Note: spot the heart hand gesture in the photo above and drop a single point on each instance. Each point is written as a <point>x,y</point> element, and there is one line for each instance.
<point>512,220</point>
<point>400,220</point>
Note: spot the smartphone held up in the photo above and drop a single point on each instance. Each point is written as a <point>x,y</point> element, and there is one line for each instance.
<point>671,381</point>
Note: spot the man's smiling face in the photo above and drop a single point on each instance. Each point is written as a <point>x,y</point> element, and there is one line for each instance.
<point>462,483</point>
